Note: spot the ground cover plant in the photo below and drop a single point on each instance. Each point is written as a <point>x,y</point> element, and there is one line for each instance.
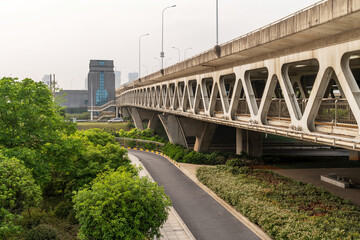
<point>284,208</point>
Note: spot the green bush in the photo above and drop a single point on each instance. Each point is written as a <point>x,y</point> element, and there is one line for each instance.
<point>194,157</point>
<point>215,158</point>
<point>42,232</point>
<point>147,134</point>
<point>120,205</point>
<point>32,160</point>
<point>98,136</point>
<point>63,209</point>
<point>284,208</point>
<point>18,192</point>
<point>33,217</point>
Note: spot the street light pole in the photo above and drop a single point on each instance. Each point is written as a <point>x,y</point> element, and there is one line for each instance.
<point>143,35</point>
<point>178,51</point>
<point>162,54</point>
<point>217,22</point>
<point>186,51</point>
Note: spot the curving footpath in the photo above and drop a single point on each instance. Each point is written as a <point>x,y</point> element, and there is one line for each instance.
<point>205,217</point>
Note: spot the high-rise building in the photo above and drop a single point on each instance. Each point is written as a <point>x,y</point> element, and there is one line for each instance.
<point>100,88</point>
<point>117,79</point>
<point>132,76</point>
<point>101,82</point>
<point>46,79</point>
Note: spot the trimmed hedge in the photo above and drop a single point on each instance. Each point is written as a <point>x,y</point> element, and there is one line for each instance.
<point>147,134</point>
<point>284,208</point>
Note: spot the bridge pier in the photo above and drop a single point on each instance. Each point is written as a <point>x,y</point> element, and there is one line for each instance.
<point>202,131</point>
<point>179,128</point>
<point>136,118</point>
<point>249,142</point>
<point>173,129</point>
<point>354,155</point>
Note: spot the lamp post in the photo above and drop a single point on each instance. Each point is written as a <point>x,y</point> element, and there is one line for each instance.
<point>178,51</point>
<point>186,51</point>
<point>162,54</point>
<point>217,22</point>
<point>143,35</point>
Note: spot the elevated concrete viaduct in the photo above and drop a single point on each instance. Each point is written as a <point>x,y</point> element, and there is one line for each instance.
<point>298,77</point>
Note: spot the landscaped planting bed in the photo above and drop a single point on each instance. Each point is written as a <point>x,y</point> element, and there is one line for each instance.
<point>284,208</point>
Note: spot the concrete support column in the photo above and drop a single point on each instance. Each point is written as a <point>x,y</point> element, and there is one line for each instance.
<point>354,155</point>
<point>203,140</point>
<point>116,112</point>
<point>153,121</point>
<point>249,142</point>
<point>136,118</point>
<point>202,131</point>
<point>173,129</point>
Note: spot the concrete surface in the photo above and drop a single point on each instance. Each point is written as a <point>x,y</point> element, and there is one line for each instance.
<point>313,176</point>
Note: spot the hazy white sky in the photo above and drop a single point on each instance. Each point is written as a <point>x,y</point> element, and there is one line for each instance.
<point>60,36</point>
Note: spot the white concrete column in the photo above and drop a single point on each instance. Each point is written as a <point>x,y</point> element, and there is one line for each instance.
<point>173,129</point>
<point>249,142</point>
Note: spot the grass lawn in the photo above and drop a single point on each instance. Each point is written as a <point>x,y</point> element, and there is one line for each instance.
<point>284,208</point>
<point>102,125</point>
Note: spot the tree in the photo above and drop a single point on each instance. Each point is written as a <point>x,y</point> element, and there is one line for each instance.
<point>29,115</point>
<point>120,205</point>
<point>18,192</point>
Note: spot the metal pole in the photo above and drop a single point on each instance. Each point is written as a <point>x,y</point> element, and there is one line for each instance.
<point>217,22</point>
<point>162,54</point>
<point>140,52</point>
<point>92,101</point>
<point>178,51</point>
<point>186,51</point>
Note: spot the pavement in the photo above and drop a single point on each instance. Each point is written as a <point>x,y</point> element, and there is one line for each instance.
<point>174,228</point>
<point>313,176</point>
<point>204,216</point>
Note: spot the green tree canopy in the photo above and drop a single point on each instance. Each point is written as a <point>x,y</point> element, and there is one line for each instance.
<point>120,205</point>
<point>18,192</point>
<point>29,115</point>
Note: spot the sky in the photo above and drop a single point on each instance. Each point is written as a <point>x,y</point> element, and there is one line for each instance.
<point>61,36</point>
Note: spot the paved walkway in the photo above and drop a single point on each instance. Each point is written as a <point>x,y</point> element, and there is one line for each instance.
<point>204,216</point>
<point>174,228</point>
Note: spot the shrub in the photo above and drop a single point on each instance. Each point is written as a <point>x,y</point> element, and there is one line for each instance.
<point>18,193</point>
<point>215,158</point>
<point>284,208</point>
<point>195,157</point>
<point>98,136</point>
<point>32,160</point>
<point>63,209</point>
<point>42,232</point>
<point>120,205</point>
<point>33,217</point>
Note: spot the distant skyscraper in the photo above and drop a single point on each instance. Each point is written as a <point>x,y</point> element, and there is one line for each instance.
<point>117,79</point>
<point>101,82</point>
<point>46,79</point>
<point>133,76</point>
<point>86,83</point>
